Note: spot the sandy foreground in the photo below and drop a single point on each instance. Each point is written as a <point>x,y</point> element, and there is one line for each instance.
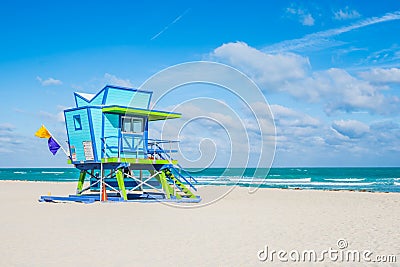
<point>229,232</point>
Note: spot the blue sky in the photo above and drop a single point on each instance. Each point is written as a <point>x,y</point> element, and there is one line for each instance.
<point>329,69</point>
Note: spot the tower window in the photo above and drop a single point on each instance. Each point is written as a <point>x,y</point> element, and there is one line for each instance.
<point>132,125</point>
<point>77,122</point>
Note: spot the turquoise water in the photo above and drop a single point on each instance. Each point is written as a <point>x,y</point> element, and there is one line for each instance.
<point>370,179</point>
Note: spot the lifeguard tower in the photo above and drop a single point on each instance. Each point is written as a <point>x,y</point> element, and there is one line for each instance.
<point>109,144</point>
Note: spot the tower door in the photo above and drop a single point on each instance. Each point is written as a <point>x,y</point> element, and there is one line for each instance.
<point>132,136</point>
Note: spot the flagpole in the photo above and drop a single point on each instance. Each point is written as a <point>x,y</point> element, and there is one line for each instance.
<point>65,152</point>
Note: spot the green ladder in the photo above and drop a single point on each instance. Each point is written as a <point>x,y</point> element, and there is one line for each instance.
<point>186,191</point>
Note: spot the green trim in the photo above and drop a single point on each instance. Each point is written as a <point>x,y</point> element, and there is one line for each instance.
<point>121,184</point>
<point>134,161</point>
<point>138,161</point>
<point>153,115</point>
<point>81,180</point>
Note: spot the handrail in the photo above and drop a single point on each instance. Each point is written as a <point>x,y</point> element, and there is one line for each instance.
<point>155,143</point>
<point>170,158</point>
<point>135,149</point>
<point>186,172</point>
<point>104,141</point>
<point>184,178</point>
<point>157,149</point>
<point>161,141</point>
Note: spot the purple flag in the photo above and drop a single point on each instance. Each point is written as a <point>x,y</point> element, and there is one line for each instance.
<point>53,145</point>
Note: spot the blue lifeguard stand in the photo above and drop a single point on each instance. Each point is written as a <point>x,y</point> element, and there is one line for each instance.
<point>109,144</point>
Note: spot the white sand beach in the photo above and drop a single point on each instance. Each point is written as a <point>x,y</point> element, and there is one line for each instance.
<point>229,232</point>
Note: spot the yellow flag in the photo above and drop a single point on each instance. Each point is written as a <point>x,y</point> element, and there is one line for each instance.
<point>43,133</point>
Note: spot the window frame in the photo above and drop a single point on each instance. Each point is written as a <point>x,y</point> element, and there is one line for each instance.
<point>131,120</point>
<point>77,122</point>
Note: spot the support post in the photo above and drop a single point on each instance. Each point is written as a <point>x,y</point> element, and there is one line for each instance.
<point>141,179</point>
<point>101,180</point>
<point>80,182</point>
<point>154,152</point>
<point>165,185</point>
<point>121,184</point>
<point>119,144</point>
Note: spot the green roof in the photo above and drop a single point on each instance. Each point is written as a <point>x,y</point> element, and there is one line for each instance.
<point>154,115</point>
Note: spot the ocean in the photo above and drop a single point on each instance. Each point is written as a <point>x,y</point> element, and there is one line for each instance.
<point>358,179</point>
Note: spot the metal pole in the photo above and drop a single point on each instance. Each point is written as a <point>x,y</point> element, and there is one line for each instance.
<point>170,151</point>
<point>141,179</point>
<point>154,151</point>
<point>101,179</point>
<point>65,152</point>
<point>119,145</point>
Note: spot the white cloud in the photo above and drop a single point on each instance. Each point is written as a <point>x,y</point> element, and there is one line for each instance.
<point>344,14</point>
<point>335,88</point>
<point>303,15</point>
<point>10,141</point>
<point>6,127</point>
<point>285,116</point>
<point>49,81</point>
<point>385,58</point>
<point>308,20</point>
<point>386,134</point>
<point>56,117</point>
<point>379,75</point>
<point>296,131</point>
<point>321,39</point>
<point>345,142</point>
<point>340,91</point>
<point>59,116</point>
<point>114,80</point>
<point>5,150</point>
<point>264,68</point>
<point>350,128</point>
